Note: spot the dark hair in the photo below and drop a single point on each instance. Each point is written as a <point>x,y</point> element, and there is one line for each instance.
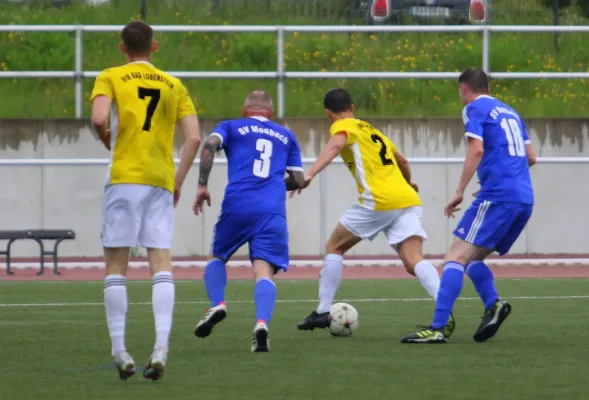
<point>338,100</point>
<point>475,79</point>
<point>137,37</point>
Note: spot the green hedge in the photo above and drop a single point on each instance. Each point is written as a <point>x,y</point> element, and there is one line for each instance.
<point>303,52</point>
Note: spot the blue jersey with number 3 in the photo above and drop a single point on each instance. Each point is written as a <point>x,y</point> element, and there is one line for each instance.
<point>504,173</point>
<point>259,152</point>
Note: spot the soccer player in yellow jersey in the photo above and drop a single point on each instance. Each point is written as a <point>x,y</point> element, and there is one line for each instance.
<point>142,186</point>
<point>387,202</point>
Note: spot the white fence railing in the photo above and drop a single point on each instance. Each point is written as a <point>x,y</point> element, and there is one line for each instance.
<point>78,74</point>
<point>90,162</point>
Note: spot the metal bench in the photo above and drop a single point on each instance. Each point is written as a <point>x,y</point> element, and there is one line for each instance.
<point>38,235</point>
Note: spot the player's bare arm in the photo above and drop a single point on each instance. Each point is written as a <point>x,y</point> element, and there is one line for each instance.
<point>333,147</point>
<point>295,180</point>
<point>99,118</point>
<point>405,168</point>
<point>191,130</point>
<point>474,154</point>
<point>207,157</point>
<point>531,154</point>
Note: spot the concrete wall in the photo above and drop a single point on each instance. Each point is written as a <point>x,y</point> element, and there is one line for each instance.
<point>70,197</point>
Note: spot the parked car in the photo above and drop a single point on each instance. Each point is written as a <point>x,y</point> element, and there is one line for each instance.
<point>422,11</point>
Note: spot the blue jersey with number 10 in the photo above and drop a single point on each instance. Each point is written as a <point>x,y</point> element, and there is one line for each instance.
<point>259,152</point>
<point>504,173</point>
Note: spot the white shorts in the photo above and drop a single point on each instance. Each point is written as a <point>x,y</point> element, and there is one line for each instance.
<point>137,216</point>
<point>397,225</point>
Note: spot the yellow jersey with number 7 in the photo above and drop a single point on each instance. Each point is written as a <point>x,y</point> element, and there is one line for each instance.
<point>146,104</point>
<point>369,156</point>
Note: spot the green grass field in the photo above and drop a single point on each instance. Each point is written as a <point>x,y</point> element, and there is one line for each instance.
<point>62,351</point>
<point>431,52</point>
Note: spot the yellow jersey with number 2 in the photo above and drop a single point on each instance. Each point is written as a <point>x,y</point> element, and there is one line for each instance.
<point>146,103</point>
<point>369,155</point>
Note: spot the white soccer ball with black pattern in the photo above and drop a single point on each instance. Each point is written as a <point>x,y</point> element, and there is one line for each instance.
<point>344,319</point>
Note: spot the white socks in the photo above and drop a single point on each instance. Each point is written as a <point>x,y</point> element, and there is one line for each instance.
<point>428,276</point>
<point>115,303</point>
<point>163,307</point>
<point>329,280</point>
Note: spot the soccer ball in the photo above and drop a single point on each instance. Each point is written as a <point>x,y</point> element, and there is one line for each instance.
<point>344,319</point>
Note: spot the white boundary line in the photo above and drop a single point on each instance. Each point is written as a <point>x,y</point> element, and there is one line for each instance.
<point>306,263</point>
<point>415,299</point>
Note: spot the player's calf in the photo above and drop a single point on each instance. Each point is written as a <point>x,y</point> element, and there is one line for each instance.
<point>212,317</point>
<point>215,280</point>
<point>483,281</point>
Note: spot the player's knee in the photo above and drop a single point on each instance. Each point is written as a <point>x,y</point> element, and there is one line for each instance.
<point>160,260</point>
<point>411,262</point>
<point>116,260</point>
<point>340,241</point>
<point>457,257</point>
<point>262,269</point>
<point>411,253</point>
<point>338,246</point>
<point>116,269</point>
<point>334,248</point>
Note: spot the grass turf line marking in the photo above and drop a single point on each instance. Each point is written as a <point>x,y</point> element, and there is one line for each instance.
<point>416,299</point>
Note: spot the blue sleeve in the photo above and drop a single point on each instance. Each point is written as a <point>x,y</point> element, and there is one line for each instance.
<point>294,161</point>
<point>222,130</point>
<point>473,123</point>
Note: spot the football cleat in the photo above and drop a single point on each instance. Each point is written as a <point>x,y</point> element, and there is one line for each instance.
<point>449,329</point>
<point>426,334</point>
<point>260,341</point>
<point>492,320</point>
<point>154,369</point>
<point>315,320</point>
<point>212,317</point>
<point>125,365</point>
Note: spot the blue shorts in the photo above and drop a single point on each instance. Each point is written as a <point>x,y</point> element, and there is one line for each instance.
<point>267,235</point>
<point>493,225</point>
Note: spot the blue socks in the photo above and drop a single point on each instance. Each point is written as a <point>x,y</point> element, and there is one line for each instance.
<point>483,281</point>
<point>450,288</point>
<point>215,279</point>
<point>265,298</point>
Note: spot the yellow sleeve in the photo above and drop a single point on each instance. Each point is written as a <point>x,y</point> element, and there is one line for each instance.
<point>102,87</point>
<point>185,105</point>
<point>343,127</point>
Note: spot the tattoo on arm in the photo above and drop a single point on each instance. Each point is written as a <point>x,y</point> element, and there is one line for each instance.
<point>207,156</point>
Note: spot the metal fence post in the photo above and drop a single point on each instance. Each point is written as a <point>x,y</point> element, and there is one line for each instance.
<point>280,67</point>
<point>322,212</point>
<point>486,39</point>
<point>79,90</point>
